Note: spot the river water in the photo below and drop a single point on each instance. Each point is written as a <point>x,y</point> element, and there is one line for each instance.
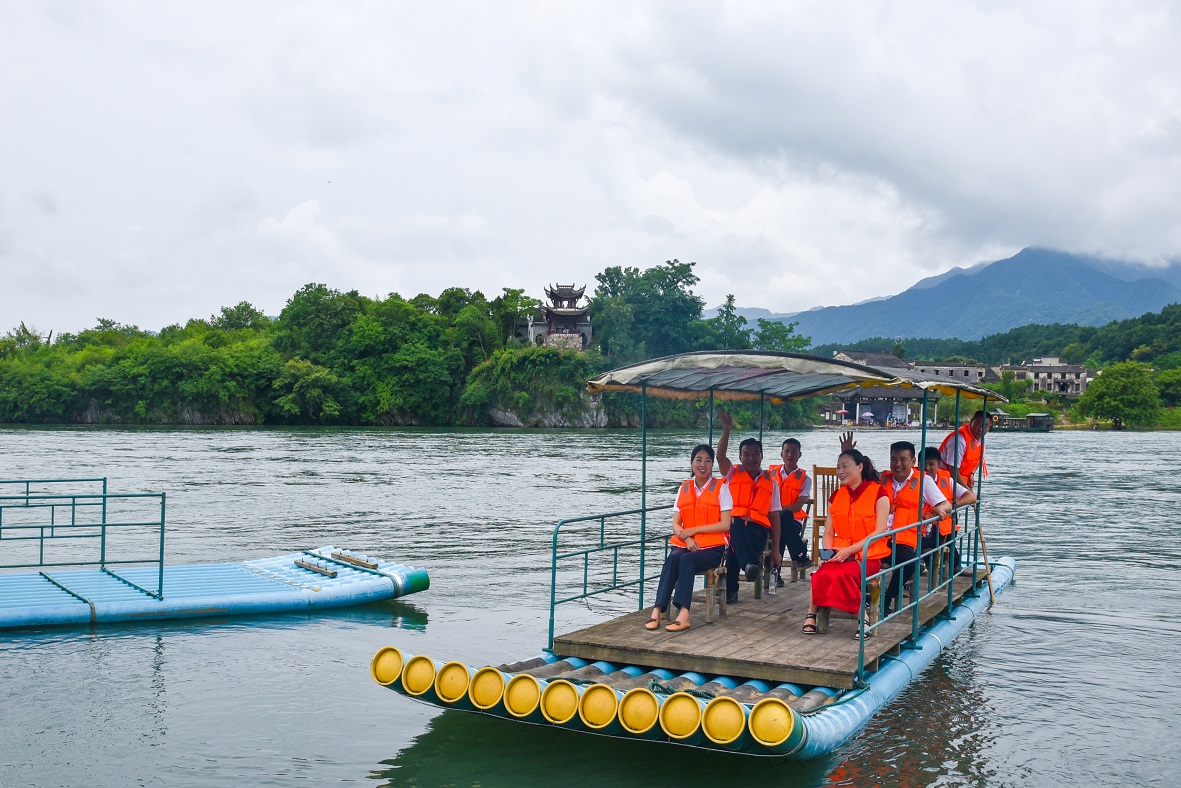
<point>1070,681</point>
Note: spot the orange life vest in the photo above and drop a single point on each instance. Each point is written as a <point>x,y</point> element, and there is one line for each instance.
<point>699,509</point>
<point>946,486</point>
<point>905,506</point>
<point>789,488</point>
<point>973,451</point>
<point>752,498</point>
<point>853,520</point>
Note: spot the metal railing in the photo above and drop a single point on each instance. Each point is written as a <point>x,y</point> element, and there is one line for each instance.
<point>937,582</point>
<point>612,580</point>
<point>55,520</point>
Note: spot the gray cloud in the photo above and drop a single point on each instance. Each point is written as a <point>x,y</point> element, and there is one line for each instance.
<point>176,158</point>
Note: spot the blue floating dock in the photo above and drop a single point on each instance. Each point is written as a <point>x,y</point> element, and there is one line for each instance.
<point>268,585</point>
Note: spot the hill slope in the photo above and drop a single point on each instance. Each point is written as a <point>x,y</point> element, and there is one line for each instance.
<point>1033,286</point>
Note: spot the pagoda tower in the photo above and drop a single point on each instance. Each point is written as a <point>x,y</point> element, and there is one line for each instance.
<point>563,322</point>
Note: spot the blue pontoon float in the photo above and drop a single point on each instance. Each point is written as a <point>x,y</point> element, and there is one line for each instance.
<point>56,532</point>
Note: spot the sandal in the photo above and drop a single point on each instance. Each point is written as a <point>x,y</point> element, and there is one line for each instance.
<point>677,626</point>
<point>868,632</point>
<point>652,623</point>
<point>810,628</point>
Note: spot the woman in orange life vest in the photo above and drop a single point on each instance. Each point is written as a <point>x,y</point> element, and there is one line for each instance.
<point>932,464</point>
<point>856,511</point>
<point>700,524</point>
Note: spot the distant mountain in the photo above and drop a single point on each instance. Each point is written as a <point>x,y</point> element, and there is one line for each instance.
<point>1033,286</point>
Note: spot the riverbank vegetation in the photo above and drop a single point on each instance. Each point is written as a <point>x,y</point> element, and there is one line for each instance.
<point>333,357</point>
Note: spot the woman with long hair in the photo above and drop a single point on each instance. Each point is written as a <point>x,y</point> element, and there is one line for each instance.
<point>859,509</point>
<point>700,523</point>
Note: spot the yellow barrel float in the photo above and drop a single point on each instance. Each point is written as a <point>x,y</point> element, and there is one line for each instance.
<point>418,677</point>
<point>486,690</point>
<point>522,697</point>
<point>680,717</point>
<point>451,684</point>
<point>386,667</point>
<point>773,725</point>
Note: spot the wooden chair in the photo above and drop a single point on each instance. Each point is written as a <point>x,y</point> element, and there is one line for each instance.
<point>824,484</point>
<point>872,607</point>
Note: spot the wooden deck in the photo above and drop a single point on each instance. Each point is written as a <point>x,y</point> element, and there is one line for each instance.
<point>758,639</point>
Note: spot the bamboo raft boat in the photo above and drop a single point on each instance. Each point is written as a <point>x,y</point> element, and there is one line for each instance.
<point>749,682</point>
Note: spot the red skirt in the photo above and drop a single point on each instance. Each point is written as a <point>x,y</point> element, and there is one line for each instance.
<point>838,584</point>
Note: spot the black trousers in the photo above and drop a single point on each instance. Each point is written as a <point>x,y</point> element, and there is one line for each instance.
<point>747,542</point>
<point>900,577</point>
<point>791,537</point>
<point>679,570</point>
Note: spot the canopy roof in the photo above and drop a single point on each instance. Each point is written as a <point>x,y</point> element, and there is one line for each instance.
<point>751,374</point>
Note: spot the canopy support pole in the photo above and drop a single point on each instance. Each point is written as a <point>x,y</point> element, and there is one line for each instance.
<point>711,417</point>
<point>980,492</point>
<point>762,400</point>
<point>643,488</point>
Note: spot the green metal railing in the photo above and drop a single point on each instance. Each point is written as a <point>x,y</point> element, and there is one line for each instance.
<point>54,519</point>
<point>600,546</point>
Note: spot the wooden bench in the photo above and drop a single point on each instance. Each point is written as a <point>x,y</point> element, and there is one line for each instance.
<point>872,606</point>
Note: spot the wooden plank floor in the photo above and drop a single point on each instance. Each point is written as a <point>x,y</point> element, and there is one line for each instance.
<point>758,639</point>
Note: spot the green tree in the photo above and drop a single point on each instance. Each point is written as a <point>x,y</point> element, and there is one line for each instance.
<point>1169,383</point>
<point>1124,393</point>
<point>898,349</point>
<point>729,325</point>
<point>314,321</point>
<point>661,302</point>
<point>775,335</point>
<point>241,316</point>
<point>509,308</point>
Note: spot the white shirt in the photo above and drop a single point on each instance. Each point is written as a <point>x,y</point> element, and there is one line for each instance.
<point>725,502</point>
<point>775,505</point>
<point>932,495</point>
<point>951,457</point>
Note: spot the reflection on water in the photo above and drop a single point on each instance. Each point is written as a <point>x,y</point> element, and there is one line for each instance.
<point>1069,681</point>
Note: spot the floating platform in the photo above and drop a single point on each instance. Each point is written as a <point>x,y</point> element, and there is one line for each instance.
<point>321,578</point>
<point>750,682</point>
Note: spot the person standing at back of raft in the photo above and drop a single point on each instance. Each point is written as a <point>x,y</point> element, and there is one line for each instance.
<point>795,493</point>
<point>968,455</point>
<point>902,484</point>
<point>700,523</point>
<point>857,510</point>
<point>755,516</point>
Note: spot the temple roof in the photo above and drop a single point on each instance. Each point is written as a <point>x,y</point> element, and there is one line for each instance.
<point>564,291</point>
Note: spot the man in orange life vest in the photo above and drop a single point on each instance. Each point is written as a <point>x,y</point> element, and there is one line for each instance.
<point>902,487</point>
<point>932,464</point>
<point>795,493</point>
<point>755,516</point>
<point>968,455</point>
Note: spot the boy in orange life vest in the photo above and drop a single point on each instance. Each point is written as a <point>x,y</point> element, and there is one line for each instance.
<point>902,488</point>
<point>795,492</point>
<point>970,454</point>
<point>755,516</point>
<point>962,496</point>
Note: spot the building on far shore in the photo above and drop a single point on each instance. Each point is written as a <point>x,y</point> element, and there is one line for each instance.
<point>563,322</point>
<point>1048,373</point>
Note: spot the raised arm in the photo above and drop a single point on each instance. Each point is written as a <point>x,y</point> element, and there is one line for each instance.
<point>724,463</point>
<point>847,442</point>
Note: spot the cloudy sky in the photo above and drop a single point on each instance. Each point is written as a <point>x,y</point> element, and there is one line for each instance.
<point>160,160</point>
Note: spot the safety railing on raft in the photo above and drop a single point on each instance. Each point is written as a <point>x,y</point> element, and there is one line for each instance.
<point>607,577</point>
<point>54,520</point>
<point>943,561</point>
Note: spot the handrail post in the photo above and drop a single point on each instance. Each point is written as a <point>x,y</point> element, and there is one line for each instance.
<point>160,586</point>
<point>643,489</point>
<point>916,572</point>
<point>553,584</point>
<point>102,560</point>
